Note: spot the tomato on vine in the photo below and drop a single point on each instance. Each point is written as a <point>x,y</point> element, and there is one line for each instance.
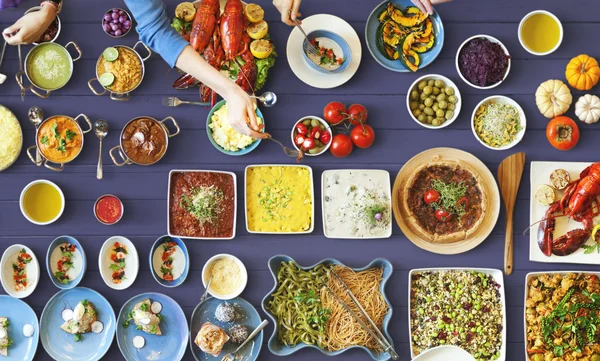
<point>362,136</point>
<point>357,114</point>
<point>334,113</point>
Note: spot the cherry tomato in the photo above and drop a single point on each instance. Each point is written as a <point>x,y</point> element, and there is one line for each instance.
<point>315,132</point>
<point>431,196</point>
<point>341,146</point>
<point>325,137</point>
<point>309,143</point>
<point>357,114</point>
<point>462,202</point>
<point>334,113</point>
<point>299,139</point>
<point>442,215</point>
<point>301,129</point>
<point>314,42</point>
<point>362,136</point>
<point>563,133</point>
<point>340,61</point>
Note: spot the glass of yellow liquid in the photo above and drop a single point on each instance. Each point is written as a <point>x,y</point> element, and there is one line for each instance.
<point>540,32</point>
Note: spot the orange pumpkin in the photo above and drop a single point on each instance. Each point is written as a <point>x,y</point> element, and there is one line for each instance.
<point>583,72</point>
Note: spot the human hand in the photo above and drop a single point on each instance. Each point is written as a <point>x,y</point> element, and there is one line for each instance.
<point>289,10</point>
<point>426,6</point>
<point>29,27</point>
<point>241,114</point>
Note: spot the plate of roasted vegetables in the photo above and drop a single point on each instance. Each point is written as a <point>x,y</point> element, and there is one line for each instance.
<point>232,36</point>
<point>402,38</point>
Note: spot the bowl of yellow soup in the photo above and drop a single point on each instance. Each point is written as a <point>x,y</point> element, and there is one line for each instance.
<point>42,202</point>
<point>540,32</point>
<point>279,199</point>
<point>48,67</point>
<point>59,140</point>
<point>227,274</point>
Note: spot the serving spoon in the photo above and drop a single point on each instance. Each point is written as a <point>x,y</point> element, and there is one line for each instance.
<point>232,355</point>
<point>101,129</point>
<point>2,76</point>
<point>36,115</point>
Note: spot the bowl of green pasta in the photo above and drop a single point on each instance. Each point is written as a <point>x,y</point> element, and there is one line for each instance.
<point>306,313</point>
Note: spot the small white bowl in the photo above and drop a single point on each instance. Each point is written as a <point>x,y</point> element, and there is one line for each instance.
<point>32,270</point>
<point>448,83</point>
<point>453,353</point>
<point>493,40</point>
<point>560,39</point>
<point>205,276</point>
<point>132,263</point>
<point>62,198</point>
<point>327,128</point>
<point>507,100</point>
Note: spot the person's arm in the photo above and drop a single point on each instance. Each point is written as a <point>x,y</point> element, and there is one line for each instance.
<point>289,10</point>
<point>30,27</point>
<point>155,31</point>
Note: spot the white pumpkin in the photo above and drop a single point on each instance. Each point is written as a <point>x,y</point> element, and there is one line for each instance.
<point>587,109</point>
<point>553,98</point>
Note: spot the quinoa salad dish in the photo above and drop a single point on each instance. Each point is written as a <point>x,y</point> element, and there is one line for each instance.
<point>457,307</point>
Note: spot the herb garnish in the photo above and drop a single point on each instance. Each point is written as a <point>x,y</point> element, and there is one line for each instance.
<point>274,197</point>
<point>44,139</point>
<point>55,130</point>
<point>204,203</point>
<point>62,145</point>
<point>317,319</point>
<point>70,134</point>
<point>450,193</point>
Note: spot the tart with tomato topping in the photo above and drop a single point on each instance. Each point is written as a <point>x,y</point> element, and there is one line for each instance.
<point>444,202</point>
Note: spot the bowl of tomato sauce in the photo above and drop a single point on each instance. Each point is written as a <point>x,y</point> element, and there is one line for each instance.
<point>108,209</point>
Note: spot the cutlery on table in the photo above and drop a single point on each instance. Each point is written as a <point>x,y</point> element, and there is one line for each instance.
<point>203,298</point>
<point>101,129</point>
<point>36,115</point>
<point>231,356</point>
<point>292,153</point>
<point>19,76</point>
<point>268,99</point>
<point>509,178</point>
<point>309,48</point>
<point>2,76</point>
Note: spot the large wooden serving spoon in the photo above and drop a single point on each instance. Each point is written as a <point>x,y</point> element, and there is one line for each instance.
<point>509,178</point>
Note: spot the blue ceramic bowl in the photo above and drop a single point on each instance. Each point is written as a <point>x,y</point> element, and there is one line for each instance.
<point>246,150</point>
<point>19,314</point>
<point>186,268</point>
<point>279,349</point>
<point>170,346</point>
<point>57,242</point>
<point>205,312</point>
<point>335,38</point>
<point>60,345</point>
<point>396,65</point>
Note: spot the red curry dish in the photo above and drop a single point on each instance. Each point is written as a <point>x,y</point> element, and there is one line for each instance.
<point>444,202</point>
<point>144,141</point>
<point>201,205</point>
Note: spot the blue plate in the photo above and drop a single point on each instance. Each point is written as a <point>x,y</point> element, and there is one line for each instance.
<point>279,349</point>
<point>396,65</point>
<point>246,150</point>
<point>60,345</point>
<point>205,312</point>
<point>338,40</point>
<point>19,314</point>
<point>186,269</point>
<point>170,346</point>
<point>57,242</point>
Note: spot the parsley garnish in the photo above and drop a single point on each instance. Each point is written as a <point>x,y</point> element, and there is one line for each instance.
<point>44,139</point>
<point>77,337</point>
<point>450,193</point>
<point>70,134</point>
<point>62,145</point>
<point>55,130</point>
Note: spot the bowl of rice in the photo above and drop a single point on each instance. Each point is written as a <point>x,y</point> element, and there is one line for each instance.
<point>11,141</point>
<point>226,139</point>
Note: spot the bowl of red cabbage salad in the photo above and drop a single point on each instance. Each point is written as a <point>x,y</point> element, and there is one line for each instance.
<point>483,62</point>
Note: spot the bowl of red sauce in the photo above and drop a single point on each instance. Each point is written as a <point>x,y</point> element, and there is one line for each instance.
<point>108,209</point>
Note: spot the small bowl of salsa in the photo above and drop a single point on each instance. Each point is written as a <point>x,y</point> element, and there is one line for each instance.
<point>108,209</point>
<point>334,52</point>
<point>540,32</point>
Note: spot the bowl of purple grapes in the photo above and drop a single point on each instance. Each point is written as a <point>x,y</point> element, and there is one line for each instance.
<point>117,23</point>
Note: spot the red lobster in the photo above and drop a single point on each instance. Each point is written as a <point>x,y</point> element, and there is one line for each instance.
<point>578,203</point>
<point>205,22</point>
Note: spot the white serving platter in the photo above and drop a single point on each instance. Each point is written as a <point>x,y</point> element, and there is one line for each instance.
<point>540,174</point>
<point>498,277</point>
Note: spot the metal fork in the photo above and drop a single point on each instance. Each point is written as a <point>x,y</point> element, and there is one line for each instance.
<point>292,153</point>
<point>308,47</point>
<point>231,356</point>
<point>175,102</point>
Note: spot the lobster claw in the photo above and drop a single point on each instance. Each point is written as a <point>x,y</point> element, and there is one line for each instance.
<point>570,242</point>
<point>185,81</point>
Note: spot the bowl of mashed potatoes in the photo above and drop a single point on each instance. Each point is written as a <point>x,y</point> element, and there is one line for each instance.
<point>226,139</point>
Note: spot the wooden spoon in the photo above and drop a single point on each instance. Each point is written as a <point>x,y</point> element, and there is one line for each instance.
<point>509,178</point>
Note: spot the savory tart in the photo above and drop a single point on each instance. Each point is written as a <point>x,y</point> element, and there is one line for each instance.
<point>211,339</point>
<point>146,317</point>
<point>83,316</point>
<point>444,201</point>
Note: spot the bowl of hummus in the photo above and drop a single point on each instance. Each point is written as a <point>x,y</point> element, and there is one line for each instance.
<point>226,139</point>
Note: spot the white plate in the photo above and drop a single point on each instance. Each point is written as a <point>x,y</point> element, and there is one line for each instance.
<point>32,270</point>
<point>312,188</point>
<point>540,174</point>
<point>498,277</point>
<point>387,190</point>
<point>132,263</point>
<point>453,353</point>
<point>235,199</point>
<point>311,76</point>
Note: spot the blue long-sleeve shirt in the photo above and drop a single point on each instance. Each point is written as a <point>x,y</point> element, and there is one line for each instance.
<point>155,30</point>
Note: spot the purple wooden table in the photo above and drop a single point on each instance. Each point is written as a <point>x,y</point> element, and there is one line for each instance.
<point>144,190</point>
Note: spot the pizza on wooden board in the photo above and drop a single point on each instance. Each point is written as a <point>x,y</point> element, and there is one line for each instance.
<point>444,201</point>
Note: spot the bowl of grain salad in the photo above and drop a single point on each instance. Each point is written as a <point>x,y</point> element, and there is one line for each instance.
<point>120,70</point>
<point>498,122</point>
<point>11,141</point>
<point>458,307</point>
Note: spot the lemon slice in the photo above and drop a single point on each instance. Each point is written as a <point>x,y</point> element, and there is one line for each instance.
<point>261,48</point>
<point>545,195</point>
<point>106,79</point>
<point>258,30</point>
<point>110,54</point>
<point>185,11</point>
<point>254,13</point>
<point>596,230</point>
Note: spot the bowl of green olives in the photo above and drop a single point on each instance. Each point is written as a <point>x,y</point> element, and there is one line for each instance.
<point>433,101</point>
